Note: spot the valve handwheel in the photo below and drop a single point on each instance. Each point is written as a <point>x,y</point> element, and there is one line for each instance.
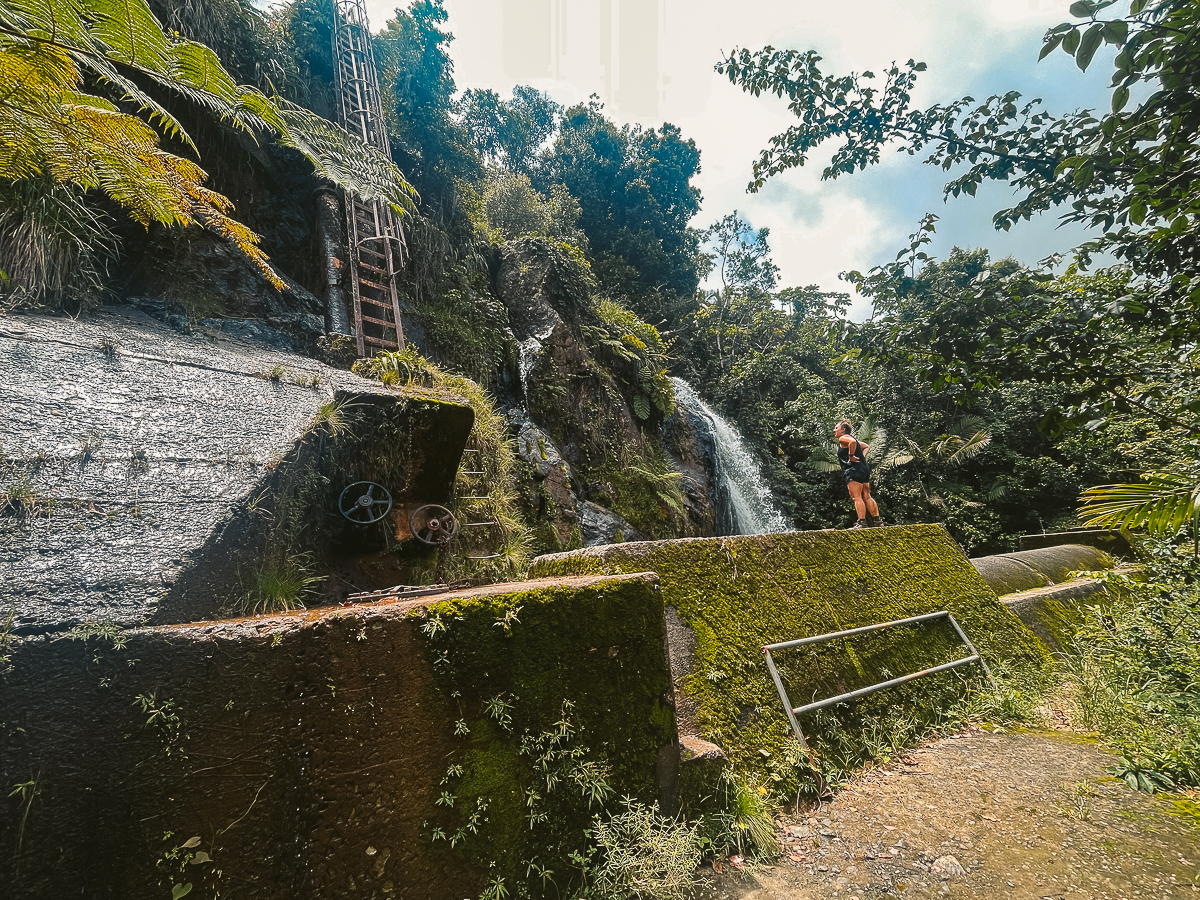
<point>433,524</point>
<point>365,502</point>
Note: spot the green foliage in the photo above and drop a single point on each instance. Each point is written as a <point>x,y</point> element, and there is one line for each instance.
<point>1131,174</point>
<point>281,586</point>
<point>1162,503</point>
<point>646,855</point>
<point>54,247</point>
<point>512,209</point>
<point>636,355</point>
<point>417,81</point>
<point>509,133</point>
<point>59,129</point>
<point>1135,665</point>
<point>634,188</point>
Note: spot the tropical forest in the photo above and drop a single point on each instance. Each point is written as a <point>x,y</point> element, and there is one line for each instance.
<point>300,332</point>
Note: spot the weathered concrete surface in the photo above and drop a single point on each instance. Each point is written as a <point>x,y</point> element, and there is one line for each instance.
<point>1121,544</point>
<point>731,596</point>
<point>134,455</point>
<point>1007,573</point>
<point>306,753</point>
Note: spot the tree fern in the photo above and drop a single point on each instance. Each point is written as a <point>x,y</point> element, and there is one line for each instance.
<point>55,128</point>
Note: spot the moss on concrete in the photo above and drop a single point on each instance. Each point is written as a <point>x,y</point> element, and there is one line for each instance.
<point>737,594</point>
<point>540,693</point>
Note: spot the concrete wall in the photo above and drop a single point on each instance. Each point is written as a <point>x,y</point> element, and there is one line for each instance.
<point>727,597</point>
<point>162,469</point>
<point>306,754</point>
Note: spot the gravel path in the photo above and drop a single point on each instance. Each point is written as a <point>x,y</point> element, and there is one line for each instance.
<point>983,815</point>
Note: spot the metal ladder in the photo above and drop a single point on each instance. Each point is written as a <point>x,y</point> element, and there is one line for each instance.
<point>372,229</point>
<point>490,523</point>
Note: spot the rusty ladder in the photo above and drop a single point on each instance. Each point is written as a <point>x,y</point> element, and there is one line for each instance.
<point>372,230</point>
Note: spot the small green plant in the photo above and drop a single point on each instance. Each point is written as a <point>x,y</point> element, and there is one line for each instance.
<point>332,417</point>
<point>1079,799</point>
<point>21,501</point>
<point>103,631</point>
<point>274,374</point>
<point>6,641</point>
<point>163,716</point>
<point>748,815</point>
<point>281,587</point>
<point>108,346</point>
<point>645,855</point>
<point>26,791</point>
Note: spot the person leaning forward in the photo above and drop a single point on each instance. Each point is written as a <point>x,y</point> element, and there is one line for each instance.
<point>852,457</point>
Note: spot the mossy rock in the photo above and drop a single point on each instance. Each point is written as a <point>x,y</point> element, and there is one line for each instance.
<point>737,594</point>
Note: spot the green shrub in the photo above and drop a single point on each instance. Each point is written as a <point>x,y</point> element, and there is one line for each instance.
<point>1135,666</point>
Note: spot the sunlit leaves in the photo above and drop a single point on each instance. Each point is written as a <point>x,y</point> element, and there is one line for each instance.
<point>1161,503</point>
<point>53,125</point>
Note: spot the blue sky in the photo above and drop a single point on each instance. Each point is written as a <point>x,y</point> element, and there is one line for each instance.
<point>652,61</point>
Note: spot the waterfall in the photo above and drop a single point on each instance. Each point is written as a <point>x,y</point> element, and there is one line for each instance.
<point>742,501</point>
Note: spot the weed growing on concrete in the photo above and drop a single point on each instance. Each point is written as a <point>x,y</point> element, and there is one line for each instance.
<point>108,346</point>
<point>646,855</point>
<point>6,641</point>
<point>21,501</point>
<point>1078,800</point>
<point>332,418</point>
<point>274,374</point>
<point>26,792</point>
<point>281,586</point>
<point>163,716</point>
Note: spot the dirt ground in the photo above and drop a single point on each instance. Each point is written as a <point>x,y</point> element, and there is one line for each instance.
<point>983,815</point>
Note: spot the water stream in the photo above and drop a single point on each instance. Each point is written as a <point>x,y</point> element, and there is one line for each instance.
<point>743,503</point>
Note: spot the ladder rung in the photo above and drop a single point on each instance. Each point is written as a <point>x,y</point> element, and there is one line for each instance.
<point>379,322</point>
<point>362,249</point>
<point>374,302</point>
<point>372,284</point>
<point>380,342</point>
<point>363,265</point>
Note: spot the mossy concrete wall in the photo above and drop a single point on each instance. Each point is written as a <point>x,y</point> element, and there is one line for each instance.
<point>387,750</point>
<point>727,597</point>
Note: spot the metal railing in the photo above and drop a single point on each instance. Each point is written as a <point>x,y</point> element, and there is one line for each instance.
<point>862,692</point>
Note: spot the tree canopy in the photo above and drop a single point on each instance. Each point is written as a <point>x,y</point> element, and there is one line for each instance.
<point>1130,173</point>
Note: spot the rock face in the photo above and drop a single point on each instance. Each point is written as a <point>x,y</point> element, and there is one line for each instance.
<point>148,475</point>
<point>574,427</point>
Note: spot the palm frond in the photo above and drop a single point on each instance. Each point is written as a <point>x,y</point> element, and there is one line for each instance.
<point>1162,503</point>
<point>965,438</point>
<point>824,459</point>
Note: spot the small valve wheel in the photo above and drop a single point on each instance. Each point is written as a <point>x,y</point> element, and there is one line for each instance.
<point>434,525</point>
<point>365,502</point>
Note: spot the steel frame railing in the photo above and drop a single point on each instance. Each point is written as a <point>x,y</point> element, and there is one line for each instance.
<point>792,712</point>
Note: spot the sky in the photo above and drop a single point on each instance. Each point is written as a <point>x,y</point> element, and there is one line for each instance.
<point>651,61</point>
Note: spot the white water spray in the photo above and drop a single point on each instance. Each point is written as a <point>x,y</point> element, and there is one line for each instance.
<point>744,504</point>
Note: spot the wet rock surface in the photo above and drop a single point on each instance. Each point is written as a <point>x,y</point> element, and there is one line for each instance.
<point>129,448</point>
<point>983,815</point>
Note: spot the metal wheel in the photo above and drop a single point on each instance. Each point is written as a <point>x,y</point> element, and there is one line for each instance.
<point>365,502</point>
<point>434,525</point>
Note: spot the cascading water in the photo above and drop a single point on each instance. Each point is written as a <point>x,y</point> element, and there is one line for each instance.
<point>743,502</point>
